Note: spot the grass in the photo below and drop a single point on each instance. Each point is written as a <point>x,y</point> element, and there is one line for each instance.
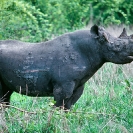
<point>105,107</point>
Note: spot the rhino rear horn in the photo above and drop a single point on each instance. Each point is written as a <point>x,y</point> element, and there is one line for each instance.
<point>123,34</point>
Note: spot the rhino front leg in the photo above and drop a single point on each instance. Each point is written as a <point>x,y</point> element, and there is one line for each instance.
<point>63,92</point>
<point>75,96</point>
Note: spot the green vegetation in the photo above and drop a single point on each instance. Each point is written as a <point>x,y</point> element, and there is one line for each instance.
<point>39,20</point>
<point>105,107</point>
<point>107,103</point>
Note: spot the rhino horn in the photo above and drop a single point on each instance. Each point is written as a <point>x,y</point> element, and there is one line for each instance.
<point>123,34</point>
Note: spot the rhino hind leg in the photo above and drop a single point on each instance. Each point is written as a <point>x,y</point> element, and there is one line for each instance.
<point>75,96</point>
<point>5,94</point>
<point>62,93</point>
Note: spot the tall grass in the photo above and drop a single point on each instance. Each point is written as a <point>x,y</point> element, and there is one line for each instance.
<point>106,106</point>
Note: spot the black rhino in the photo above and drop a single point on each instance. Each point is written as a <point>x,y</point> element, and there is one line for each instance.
<point>59,67</point>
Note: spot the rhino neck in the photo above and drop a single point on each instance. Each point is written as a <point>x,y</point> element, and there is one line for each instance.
<point>90,53</point>
<point>92,57</point>
<point>91,49</point>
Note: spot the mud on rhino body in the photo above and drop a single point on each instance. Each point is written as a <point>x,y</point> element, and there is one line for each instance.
<point>59,67</point>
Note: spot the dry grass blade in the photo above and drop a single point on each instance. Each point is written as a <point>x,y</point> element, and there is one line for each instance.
<point>107,124</point>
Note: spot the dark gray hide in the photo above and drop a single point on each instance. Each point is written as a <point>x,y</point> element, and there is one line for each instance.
<point>59,67</point>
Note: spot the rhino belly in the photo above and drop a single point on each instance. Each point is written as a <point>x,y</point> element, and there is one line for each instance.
<point>32,82</point>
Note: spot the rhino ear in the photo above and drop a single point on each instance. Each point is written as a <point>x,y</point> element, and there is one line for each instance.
<point>94,30</point>
<point>123,34</point>
<point>99,33</point>
<point>103,36</point>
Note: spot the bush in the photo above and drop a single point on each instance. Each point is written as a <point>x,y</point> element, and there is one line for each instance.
<point>38,20</point>
<point>25,22</point>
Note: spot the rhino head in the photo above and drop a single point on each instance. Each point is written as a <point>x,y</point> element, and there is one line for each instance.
<point>116,50</point>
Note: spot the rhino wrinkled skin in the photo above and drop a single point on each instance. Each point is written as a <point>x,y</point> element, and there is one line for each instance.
<point>59,67</point>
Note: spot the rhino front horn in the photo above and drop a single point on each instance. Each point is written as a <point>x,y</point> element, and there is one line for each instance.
<point>123,34</point>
